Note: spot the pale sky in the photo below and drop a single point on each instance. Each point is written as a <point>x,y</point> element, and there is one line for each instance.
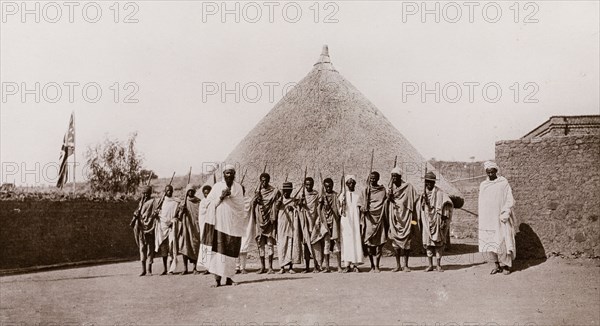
<point>178,50</point>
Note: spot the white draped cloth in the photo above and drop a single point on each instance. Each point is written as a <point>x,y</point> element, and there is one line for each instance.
<point>166,218</point>
<point>497,220</point>
<point>351,241</point>
<point>223,230</point>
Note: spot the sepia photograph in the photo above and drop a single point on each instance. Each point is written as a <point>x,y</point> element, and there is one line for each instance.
<point>302,162</point>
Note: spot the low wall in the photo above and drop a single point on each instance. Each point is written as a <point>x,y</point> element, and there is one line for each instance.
<point>556,185</point>
<point>44,232</point>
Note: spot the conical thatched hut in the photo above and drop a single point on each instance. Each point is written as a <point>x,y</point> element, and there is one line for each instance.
<point>326,124</point>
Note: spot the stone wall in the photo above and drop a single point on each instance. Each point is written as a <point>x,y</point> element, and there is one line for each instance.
<point>45,232</point>
<point>556,185</point>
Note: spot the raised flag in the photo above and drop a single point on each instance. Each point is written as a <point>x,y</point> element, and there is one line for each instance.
<point>68,148</point>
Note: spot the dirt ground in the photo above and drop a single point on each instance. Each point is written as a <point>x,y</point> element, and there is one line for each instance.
<point>552,292</point>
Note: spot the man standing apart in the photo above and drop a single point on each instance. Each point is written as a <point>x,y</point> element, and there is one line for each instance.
<point>497,220</point>
<point>143,228</point>
<point>401,210</point>
<point>265,216</point>
<point>374,220</point>
<point>350,240</point>
<point>435,212</point>
<point>223,228</point>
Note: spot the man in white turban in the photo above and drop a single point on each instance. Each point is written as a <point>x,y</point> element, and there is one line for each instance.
<point>351,241</point>
<point>401,211</point>
<point>223,228</point>
<point>497,220</point>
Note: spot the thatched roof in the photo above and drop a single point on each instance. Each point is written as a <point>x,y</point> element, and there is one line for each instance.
<point>325,123</point>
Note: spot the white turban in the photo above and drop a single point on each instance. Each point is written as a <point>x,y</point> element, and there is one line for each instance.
<point>490,165</point>
<point>229,167</point>
<point>350,177</point>
<point>396,170</point>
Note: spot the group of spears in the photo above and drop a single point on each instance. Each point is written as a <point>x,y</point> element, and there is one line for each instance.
<point>216,229</point>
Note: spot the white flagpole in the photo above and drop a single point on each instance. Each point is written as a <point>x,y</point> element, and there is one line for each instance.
<point>74,136</point>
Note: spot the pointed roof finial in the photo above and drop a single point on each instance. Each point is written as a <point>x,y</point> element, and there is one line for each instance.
<point>325,50</point>
<point>324,59</point>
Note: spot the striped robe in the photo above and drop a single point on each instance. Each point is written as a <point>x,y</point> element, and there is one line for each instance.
<point>223,230</point>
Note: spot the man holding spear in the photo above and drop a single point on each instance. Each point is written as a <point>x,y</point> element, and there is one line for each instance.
<point>286,216</point>
<point>164,219</point>
<point>143,228</point>
<point>351,243</point>
<point>401,211</point>
<point>329,215</point>
<point>308,206</point>
<point>374,229</point>
<point>189,237</point>
<point>435,213</point>
<point>264,214</point>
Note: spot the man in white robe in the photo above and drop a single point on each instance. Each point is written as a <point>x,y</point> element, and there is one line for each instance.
<point>497,220</point>
<point>223,228</point>
<point>202,212</point>
<point>351,242</point>
<point>165,240</point>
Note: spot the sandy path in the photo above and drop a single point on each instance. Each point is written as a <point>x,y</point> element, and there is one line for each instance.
<point>554,292</point>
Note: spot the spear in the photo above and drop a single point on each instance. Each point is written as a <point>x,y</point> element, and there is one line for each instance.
<point>369,179</point>
<point>243,176</point>
<point>343,189</point>
<point>395,161</point>
<point>189,175</point>
<point>301,188</point>
<point>164,195</point>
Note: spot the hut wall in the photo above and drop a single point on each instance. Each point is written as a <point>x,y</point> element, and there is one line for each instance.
<point>556,183</point>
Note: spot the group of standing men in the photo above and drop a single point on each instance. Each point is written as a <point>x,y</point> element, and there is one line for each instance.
<point>216,231</point>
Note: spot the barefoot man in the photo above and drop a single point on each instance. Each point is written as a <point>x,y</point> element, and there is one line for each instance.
<point>143,228</point>
<point>330,215</point>
<point>189,238</point>
<point>288,252</point>
<point>435,213</point>
<point>401,210</point>
<point>497,220</point>
<point>374,220</point>
<point>264,214</point>
<point>223,228</point>
<point>352,253</point>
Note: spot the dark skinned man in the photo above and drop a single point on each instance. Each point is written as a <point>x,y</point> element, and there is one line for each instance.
<point>435,213</point>
<point>264,214</point>
<point>401,210</point>
<point>374,229</point>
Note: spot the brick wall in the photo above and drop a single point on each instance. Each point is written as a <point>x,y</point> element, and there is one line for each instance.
<point>43,232</point>
<point>556,185</point>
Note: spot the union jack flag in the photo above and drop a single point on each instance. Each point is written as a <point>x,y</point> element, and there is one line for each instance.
<point>68,148</point>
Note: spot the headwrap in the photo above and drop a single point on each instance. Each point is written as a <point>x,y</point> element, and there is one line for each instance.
<point>287,186</point>
<point>490,165</point>
<point>228,167</point>
<point>396,170</point>
<point>430,176</point>
<point>189,187</point>
<point>350,177</point>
